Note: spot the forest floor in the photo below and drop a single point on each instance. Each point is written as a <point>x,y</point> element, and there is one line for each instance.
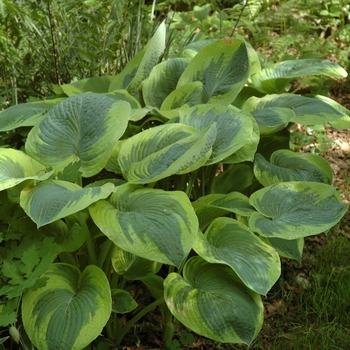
<point>309,306</point>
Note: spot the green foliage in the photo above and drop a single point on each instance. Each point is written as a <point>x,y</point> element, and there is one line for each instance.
<point>173,211</point>
<point>54,42</point>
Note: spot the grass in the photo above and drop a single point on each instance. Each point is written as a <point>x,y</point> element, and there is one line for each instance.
<point>310,304</point>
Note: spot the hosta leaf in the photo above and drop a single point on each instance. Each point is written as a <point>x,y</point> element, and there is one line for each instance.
<point>286,165</point>
<point>68,238</point>
<point>70,311</point>
<point>122,301</point>
<point>248,150</point>
<point>165,150</point>
<point>26,114</point>
<point>307,110</point>
<point>55,199</point>
<point>139,113</point>
<point>232,125</point>
<point>94,84</point>
<point>82,128</point>
<point>123,79</point>
<point>131,266</point>
<point>292,210</point>
<point>210,300</point>
<point>149,223</point>
<point>254,59</point>
<point>222,67</point>
<point>155,285</point>
<point>162,81</point>
<point>235,177</point>
<point>271,120</point>
<point>154,50</point>
<point>247,92</point>
<point>212,206</point>
<point>291,249</point>
<point>123,95</point>
<point>271,143</point>
<point>192,49</point>
<point>227,241</point>
<point>342,123</point>
<point>113,164</point>
<point>16,167</point>
<point>268,79</point>
<point>189,94</point>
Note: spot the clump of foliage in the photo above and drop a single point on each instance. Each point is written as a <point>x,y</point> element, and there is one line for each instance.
<point>174,173</point>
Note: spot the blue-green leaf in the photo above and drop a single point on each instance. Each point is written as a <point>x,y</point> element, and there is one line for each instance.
<point>291,248</point>
<point>186,95</point>
<point>16,167</point>
<point>131,266</point>
<point>149,223</point>
<point>212,206</point>
<point>70,311</point>
<point>55,199</point>
<point>162,81</point>
<point>154,50</point>
<point>292,210</point>
<point>272,119</point>
<point>235,177</point>
<point>165,150</point>
<point>212,301</point>
<point>26,114</point>
<point>275,78</point>
<point>286,165</point>
<point>82,128</point>
<point>222,67</point>
<point>122,301</point>
<point>227,241</point>
<point>232,125</point>
<point>307,110</point>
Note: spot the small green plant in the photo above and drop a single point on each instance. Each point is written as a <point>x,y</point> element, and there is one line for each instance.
<point>177,174</point>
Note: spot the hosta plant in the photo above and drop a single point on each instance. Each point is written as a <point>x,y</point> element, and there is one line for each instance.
<point>174,177</point>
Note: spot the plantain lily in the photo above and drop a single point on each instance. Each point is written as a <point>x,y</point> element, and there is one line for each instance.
<point>172,173</point>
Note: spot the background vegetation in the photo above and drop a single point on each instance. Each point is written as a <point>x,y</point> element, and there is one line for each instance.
<point>48,43</point>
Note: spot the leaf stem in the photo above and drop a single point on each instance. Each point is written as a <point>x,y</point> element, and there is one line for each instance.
<point>105,252</point>
<point>137,317</point>
<point>191,181</point>
<point>89,243</point>
<point>210,178</point>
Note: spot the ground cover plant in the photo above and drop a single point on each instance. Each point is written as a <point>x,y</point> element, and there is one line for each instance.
<point>176,174</point>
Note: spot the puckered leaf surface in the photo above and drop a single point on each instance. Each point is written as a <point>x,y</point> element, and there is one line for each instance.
<point>213,302</point>
<point>82,128</point>
<point>16,167</point>
<point>153,224</point>
<point>70,310</point>
<point>227,241</point>
<point>286,165</point>
<point>165,150</point>
<point>222,67</point>
<point>292,210</point>
<point>54,199</point>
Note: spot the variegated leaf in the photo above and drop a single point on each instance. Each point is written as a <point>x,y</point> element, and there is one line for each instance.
<point>70,311</point>
<point>82,128</point>
<point>54,199</point>
<point>148,223</point>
